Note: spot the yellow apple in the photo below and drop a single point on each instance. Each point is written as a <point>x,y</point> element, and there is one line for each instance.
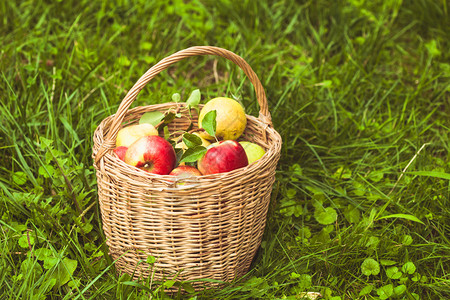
<point>253,151</point>
<point>128,135</point>
<point>230,118</point>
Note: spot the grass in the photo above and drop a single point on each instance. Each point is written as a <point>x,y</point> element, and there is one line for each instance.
<point>359,91</point>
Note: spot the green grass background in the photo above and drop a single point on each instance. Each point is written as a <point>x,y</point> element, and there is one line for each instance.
<point>359,91</point>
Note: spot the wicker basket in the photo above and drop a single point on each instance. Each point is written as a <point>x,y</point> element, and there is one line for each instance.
<point>209,227</point>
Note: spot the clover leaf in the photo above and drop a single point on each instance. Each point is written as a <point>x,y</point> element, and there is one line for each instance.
<point>370,267</point>
<point>409,268</point>
<point>393,273</point>
<point>325,216</point>
<point>385,291</point>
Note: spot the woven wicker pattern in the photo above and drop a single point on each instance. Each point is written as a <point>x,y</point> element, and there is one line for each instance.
<point>208,227</point>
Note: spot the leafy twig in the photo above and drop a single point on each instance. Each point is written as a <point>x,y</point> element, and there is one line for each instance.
<point>163,121</point>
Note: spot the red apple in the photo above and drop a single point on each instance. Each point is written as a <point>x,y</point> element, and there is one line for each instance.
<point>152,154</point>
<point>120,152</point>
<point>223,156</point>
<point>185,171</point>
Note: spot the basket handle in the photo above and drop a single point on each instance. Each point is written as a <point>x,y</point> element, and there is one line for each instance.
<point>264,114</point>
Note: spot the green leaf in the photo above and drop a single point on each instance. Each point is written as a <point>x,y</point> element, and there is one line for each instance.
<point>321,238</point>
<point>432,48</point>
<point>193,154</point>
<point>169,117</point>
<point>290,193</point>
<point>74,283</point>
<point>393,273</point>
<point>50,262</point>
<point>194,98</point>
<point>296,169</point>
<point>146,45</point>
<point>376,176</point>
<point>407,240</point>
<point>415,296</point>
<point>46,171</point>
<point>416,277</point>
<point>359,188</point>
<point>151,117</point>
<point>45,143</point>
<point>86,228</point>
<point>30,268</point>
<point>370,267</point>
<point>303,235</point>
<point>166,133</point>
<point>23,241</point>
<point>176,97</point>
<point>372,242</point>
<point>304,281</point>
<point>124,61</point>
<point>169,283</point>
<point>147,58</point>
<point>42,253</point>
<point>325,216</point>
<point>191,140</point>
<point>20,178</point>
<point>65,270</point>
<point>291,207</point>
<point>403,279</point>
<point>90,247</point>
<point>151,259</point>
<point>188,288</point>
<point>18,227</point>
<point>385,291</point>
<point>409,268</point>
<point>352,214</point>
<point>48,284</point>
<point>402,216</point>
<point>61,270</point>
<point>325,83</point>
<point>366,290</point>
<point>209,122</point>
<point>342,173</point>
<point>399,290</point>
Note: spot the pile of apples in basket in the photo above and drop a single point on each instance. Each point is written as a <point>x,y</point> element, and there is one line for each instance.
<point>212,148</point>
